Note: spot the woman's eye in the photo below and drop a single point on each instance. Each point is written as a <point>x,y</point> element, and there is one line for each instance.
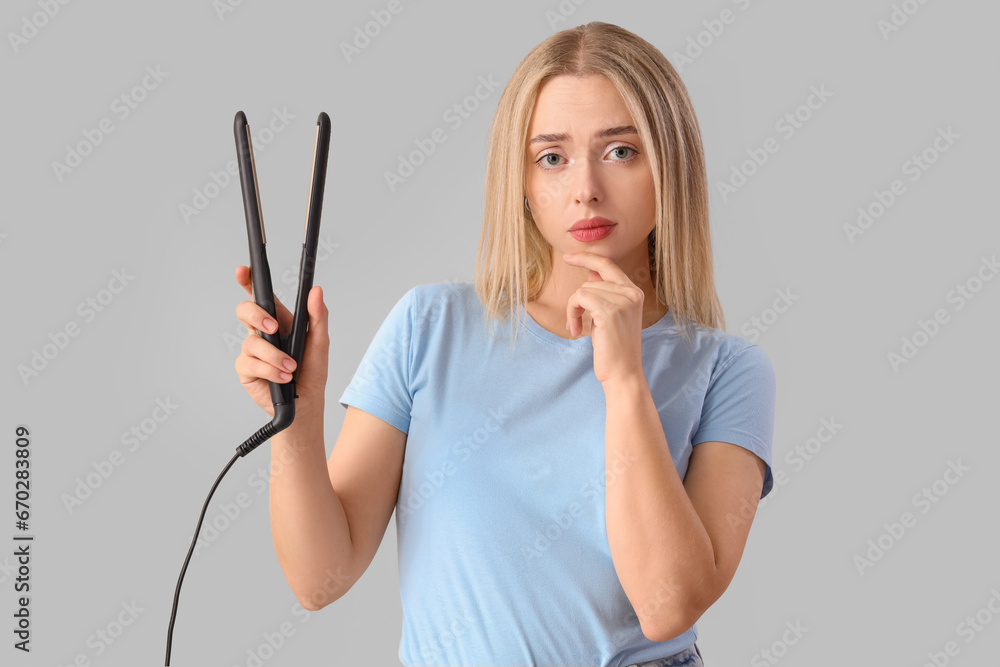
<point>617,151</point>
<point>549,160</point>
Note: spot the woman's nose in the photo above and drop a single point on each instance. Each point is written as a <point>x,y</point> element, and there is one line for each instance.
<point>586,182</point>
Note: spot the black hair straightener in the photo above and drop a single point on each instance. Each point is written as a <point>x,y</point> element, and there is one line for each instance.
<point>282,395</point>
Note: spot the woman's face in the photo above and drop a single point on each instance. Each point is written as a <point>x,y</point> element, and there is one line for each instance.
<point>583,161</point>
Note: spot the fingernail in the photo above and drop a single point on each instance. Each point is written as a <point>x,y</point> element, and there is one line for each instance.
<point>269,324</point>
<point>285,377</point>
<point>289,364</point>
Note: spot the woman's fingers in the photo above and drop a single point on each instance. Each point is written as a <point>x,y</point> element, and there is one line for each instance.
<point>256,348</point>
<point>285,316</point>
<point>253,317</point>
<point>260,362</point>
<point>319,317</point>
<point>250,370</point>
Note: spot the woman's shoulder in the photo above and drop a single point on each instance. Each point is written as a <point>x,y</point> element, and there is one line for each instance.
<point>438,303</point>
<point>434,296</point>
<point>717,348</point>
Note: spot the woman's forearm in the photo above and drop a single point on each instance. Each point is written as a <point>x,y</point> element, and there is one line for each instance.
<point>308,523</point>
<point>659,546</point>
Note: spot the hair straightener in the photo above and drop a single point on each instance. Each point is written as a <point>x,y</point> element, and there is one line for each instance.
<point>282,395</point>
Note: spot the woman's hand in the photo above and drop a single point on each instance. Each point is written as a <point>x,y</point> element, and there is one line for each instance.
<point>615,306</point>
<point>260,361</point>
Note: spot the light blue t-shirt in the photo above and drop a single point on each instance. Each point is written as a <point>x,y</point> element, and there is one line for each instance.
<point>500,522</point>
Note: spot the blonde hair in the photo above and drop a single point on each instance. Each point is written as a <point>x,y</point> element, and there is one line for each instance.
<point>514,260</point>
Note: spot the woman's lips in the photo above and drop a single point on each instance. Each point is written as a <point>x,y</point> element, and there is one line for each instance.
<point>592,233</point>
<point>586,223</point>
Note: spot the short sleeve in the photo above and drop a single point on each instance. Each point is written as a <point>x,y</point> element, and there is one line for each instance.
<point>381,384</point>
<point>739,406</point>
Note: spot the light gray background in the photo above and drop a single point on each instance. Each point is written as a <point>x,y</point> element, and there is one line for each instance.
<point>172,333</point>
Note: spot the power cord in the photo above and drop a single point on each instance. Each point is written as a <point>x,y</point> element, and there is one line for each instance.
<point>251,443</point>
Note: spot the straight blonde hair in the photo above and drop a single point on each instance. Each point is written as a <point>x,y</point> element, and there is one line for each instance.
<point>514,260</point>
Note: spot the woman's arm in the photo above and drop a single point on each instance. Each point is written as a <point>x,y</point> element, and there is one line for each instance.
<point>328,517</point>
<point>675,545</point>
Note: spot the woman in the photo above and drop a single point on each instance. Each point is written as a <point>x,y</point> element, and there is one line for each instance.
<point>582,494</point>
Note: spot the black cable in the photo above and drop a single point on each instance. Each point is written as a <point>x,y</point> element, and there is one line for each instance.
<point>177,592</point>
<point>248,446</point>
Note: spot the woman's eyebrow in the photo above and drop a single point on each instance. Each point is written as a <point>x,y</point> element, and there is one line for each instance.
<point>562,136</point>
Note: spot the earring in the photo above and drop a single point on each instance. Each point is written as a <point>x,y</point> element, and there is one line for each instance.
<point>526,207</point>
